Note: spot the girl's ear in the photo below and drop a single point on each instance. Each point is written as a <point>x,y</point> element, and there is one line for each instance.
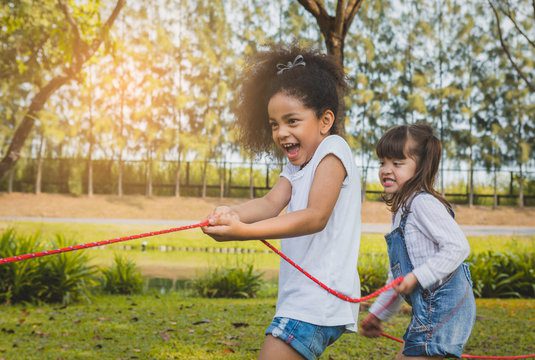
<point>327,121</point>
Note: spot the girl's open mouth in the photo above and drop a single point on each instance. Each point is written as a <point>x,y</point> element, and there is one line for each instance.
<point>292,150</point>
<point>387,182</point>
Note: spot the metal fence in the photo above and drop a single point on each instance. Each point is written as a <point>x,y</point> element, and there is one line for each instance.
<point>234,179</point>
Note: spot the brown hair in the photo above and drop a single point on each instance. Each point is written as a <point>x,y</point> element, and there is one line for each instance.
<point>418,142</point>
<point>320,85</point>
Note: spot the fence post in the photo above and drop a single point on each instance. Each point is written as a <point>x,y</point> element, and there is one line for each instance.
<point>120,175</point>
<point>511,184</point>
<point>187,173</point>
<point>222,173</point>
<point>11,177</point>
<point>267,176</point>
<point>229,186</point>
<point>496,199</point>
<point>251,180</point>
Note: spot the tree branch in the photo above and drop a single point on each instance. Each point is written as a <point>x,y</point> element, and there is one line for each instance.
<point>315,7</point>
<point>351,10</point>
<point>506,49</point>
<point>508,14</point>
<point>104,31</point>
<point>78,45</point>
<point>339,18</point>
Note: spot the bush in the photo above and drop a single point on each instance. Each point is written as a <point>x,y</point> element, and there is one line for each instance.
<point>503,275</point>
<point>495,275</point>
<point>64,277</point>
<point>122,277</point>
<point>229,283</point>
<point>19,281</point>
<point>373,272</point>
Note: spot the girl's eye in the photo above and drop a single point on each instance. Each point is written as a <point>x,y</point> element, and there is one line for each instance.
<point>292,121</point>
<point>273,125</point>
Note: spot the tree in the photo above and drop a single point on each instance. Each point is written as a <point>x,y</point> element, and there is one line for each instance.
<point>521,65</point>
<point>68,63</point>
<point>209,80</point>
<point>334,28</point>
<point>370,60</point>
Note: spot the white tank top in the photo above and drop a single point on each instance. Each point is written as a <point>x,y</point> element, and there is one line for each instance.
<point>329,255</point>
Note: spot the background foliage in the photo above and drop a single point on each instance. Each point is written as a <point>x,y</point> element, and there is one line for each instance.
<point>162,86</point>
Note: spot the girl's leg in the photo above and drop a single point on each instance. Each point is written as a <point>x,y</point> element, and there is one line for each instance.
<point>400,356</point>
<point>275,349</point>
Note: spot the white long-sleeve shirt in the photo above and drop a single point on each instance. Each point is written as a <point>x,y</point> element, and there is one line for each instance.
<point>436,246</point>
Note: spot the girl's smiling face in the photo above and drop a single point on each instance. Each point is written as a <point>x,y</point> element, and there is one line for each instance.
<point>393,173</point>
<point>296,129</point>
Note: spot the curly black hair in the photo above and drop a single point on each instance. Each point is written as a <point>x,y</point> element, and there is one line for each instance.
<point>320,85</point>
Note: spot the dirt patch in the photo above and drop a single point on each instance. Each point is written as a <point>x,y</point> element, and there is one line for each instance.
<point>187,208</point>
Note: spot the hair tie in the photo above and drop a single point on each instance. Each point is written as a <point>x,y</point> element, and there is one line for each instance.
<point>298,61</point>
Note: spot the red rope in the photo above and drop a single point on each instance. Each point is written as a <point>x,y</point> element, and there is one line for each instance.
<point>98,243</point>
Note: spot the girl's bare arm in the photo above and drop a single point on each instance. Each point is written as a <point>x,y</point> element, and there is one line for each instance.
<point>323,195</point>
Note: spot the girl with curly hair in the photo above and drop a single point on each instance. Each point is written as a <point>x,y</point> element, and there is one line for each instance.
<point>289,104</point>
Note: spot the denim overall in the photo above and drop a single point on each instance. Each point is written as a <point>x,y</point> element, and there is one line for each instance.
<point>443,315</point>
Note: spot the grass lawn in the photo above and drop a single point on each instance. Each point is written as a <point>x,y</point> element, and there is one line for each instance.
<point>174,326</point>
<point>194,238</point>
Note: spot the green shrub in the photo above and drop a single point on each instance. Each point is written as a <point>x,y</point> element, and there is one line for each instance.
<point>373,272</point>
<point>503,275</point>
<point>64,277</point>
<point>19,281</point>
<point>495,275</point>
<point>238,282</point>
<point>122,277</point>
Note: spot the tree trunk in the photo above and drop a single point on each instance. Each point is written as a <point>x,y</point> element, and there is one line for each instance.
<point>90,175</point>
<point>204,170</point>
<point>365,180</point>
<point>222,171</point>
<point>251,179</point>
<point>148,174</point>
<point>23,130</point>
<point>63,173</point>
<point>520,186</point>
<point>39,172</point>
<point>334,30</point>
<point>229,182</point>
<point>10,179</point>
<point>471,184</point>
<point>495,203</point>
<point>120,175</point>
<point>441,73</point>
<point>177,178</point>
<point>471,169</point>
<point>91,139</point>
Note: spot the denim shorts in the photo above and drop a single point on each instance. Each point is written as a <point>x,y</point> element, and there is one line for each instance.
<point>442,317</point>
<point>309,340</point>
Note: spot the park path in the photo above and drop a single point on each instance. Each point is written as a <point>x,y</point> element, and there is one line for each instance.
<point>367,228</point>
